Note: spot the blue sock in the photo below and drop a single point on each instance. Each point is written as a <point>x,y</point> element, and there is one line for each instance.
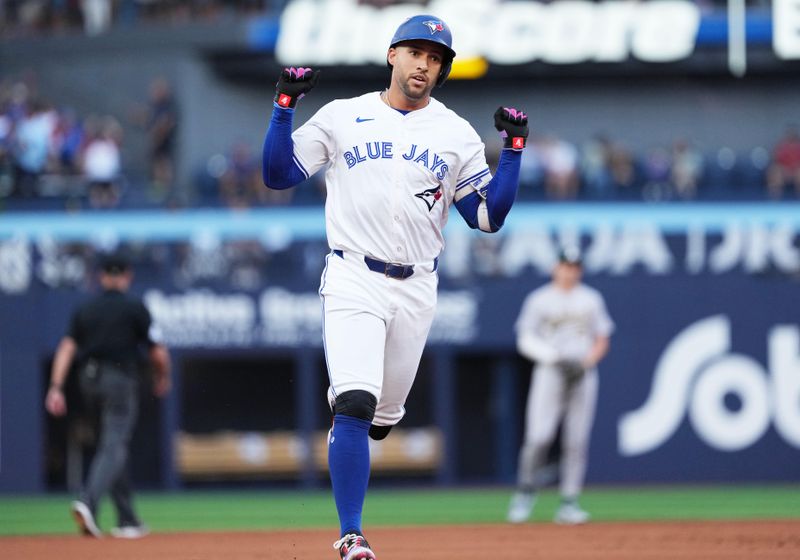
<point>348,461</point>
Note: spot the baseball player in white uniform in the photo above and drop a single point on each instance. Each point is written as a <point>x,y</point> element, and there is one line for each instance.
<point>397,160</point>
<point>564,328</point>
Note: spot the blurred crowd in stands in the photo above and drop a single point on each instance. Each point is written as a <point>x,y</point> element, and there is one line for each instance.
<point>555,169</point>
<point>602,168</point>
<point>51,156</point>
<point>31,17</point>
<point>49,152</point>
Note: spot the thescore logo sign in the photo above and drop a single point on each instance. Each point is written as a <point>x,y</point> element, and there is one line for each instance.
<point>786,33</point>
<point>513,32</point>
<point>697,373</point>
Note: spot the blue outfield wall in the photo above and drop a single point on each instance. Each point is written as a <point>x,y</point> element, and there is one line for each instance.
<point>702,382</point>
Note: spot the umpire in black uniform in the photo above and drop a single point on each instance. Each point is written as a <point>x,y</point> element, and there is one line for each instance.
<point>107,334</point>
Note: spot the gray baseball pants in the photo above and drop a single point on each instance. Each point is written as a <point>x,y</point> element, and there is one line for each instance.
<point>115,395</point>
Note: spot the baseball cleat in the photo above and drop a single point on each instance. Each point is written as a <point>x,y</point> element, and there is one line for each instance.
<point>85,519</point>
<point>521,507</point>
<point>571,514</point>
<point>130,532</point>
<point>354,547</point>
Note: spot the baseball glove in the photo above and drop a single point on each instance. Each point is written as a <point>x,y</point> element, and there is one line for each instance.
<point>293,84</point>
<point>572,370</point>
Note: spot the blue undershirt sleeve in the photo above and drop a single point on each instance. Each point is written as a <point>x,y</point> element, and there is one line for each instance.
<point>279,170</point>
<point>468,208</point>
<point>499,194</point>
<point>502,189</point>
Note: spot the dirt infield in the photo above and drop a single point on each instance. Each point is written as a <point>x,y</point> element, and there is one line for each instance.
<point>620,541</point>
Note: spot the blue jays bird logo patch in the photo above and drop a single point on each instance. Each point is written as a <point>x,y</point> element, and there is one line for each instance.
<point>434,26</point>
<point>430,196</point>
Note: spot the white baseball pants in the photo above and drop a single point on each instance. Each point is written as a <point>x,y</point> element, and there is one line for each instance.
<point>374,330</point>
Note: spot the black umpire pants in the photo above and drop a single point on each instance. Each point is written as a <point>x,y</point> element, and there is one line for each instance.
<point>114,394</point>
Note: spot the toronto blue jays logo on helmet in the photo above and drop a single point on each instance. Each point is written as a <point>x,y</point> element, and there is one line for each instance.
<point>430,196</point>
<point>434,26</point>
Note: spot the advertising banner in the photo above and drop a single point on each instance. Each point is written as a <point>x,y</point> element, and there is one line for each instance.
<point>702,382</point>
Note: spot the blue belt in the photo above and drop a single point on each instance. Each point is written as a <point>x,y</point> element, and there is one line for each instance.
<point>392,270</point>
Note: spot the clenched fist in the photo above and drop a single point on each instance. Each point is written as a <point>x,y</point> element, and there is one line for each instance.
<point>293,84</point>
<point>513,127</point>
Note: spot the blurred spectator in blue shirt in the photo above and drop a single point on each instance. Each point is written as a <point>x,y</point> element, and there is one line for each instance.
<point>687,169</point>
<point>31,146</point>
<point>657,170</point>
<point>68,142</point>
<point>596,168</point>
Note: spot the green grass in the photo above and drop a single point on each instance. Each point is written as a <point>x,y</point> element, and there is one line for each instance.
<point>203,511</point>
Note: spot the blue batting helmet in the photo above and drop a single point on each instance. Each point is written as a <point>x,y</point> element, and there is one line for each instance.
<point>426,27</point>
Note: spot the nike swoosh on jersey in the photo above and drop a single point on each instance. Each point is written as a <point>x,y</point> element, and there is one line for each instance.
<point>359,119</point>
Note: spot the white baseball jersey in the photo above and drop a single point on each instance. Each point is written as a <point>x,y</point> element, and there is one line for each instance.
<point>569,321</point>
<point>391,177</point>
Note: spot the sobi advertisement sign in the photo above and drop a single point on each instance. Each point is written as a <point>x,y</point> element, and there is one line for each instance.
<point>702,382</point>
<point>730,398</point>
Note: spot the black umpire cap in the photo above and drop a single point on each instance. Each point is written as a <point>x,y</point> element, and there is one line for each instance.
<point>570,255</point>
<point>114,263</point>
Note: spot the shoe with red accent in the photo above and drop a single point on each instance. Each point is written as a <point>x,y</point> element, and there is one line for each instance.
<point>353,546</point>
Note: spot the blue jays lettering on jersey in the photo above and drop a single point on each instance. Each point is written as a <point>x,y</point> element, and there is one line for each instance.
<point>433,161</point>
<point>381,149</point>
<point>371,150</point>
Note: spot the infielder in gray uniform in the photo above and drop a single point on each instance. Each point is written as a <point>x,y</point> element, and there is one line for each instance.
<point>564,328</point>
